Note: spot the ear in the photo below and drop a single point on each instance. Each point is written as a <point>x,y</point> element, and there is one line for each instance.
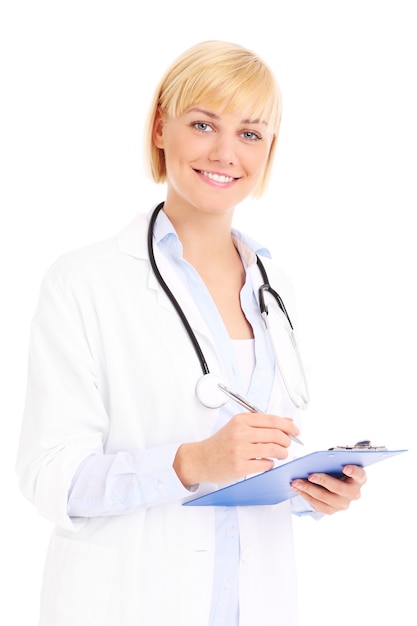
<point>158,129</point>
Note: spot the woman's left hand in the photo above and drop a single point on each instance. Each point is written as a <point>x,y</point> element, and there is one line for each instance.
<point>327,494</point>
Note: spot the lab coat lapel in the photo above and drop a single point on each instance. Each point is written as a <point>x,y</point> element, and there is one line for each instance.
<point>133,241</point>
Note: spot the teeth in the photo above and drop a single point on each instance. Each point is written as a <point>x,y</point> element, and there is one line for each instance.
<point>220,178</point>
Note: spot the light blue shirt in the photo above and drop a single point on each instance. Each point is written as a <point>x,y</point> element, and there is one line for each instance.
<point>100,481</point>
<point>225,597</point>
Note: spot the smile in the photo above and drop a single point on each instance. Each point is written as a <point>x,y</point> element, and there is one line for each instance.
<point>218,178</point>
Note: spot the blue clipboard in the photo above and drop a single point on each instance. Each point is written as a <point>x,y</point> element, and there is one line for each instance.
<point>273,486</point>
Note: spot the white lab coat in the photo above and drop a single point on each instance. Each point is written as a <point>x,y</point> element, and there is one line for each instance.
<point>111,368</point>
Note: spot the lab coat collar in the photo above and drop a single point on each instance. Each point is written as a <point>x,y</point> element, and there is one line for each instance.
<point>132,240</point>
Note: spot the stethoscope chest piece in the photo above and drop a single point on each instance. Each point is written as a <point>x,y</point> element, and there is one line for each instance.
<point>208,391</point>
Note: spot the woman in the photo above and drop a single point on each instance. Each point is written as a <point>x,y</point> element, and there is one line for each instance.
<point>115,438</point>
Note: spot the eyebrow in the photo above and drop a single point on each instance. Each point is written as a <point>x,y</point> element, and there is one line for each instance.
<point>214,116</point>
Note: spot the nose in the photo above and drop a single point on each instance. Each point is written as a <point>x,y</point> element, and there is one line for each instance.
<point>223,149</point>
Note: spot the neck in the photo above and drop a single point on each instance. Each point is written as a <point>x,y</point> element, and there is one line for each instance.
<point>203,235</point>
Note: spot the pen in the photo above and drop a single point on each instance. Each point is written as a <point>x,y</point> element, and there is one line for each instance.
<point>248,405</point>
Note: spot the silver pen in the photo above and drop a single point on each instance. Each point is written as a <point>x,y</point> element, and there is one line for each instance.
<point>248,405</point>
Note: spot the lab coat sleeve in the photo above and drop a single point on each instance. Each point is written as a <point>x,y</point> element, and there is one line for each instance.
<point>64,418</point>
<point>114,484</point>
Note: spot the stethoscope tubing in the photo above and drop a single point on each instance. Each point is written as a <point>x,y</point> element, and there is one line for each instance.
<point>209,382</point>
<point>266,286</point>
<point>168,292</point>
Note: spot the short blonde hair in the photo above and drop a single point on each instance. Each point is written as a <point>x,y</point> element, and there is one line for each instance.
<point>220,74</point>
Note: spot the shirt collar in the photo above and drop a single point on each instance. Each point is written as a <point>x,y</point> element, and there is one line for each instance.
<point>164,232</point>
<point>248,248</point>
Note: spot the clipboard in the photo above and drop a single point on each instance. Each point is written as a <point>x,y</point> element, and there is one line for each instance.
<point>273,486</point>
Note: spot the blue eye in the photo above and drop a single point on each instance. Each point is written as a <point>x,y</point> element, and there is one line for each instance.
<point>203,127</point>
<point>251,135</point>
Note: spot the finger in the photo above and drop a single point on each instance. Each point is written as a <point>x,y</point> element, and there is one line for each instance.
<point>356,473</point>
<point>269,451</point>
<point>324,507</point>
<point>322,500</point>
<point>273,422</point>
<point>269,435</point>
<point>345,487</point>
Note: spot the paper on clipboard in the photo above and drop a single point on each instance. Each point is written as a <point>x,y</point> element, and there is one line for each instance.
<point>273,486</point>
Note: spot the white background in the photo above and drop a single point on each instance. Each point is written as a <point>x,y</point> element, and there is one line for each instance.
<point>339,216</point>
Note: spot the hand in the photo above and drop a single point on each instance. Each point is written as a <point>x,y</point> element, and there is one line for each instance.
<point>245,445</point>
<point>327,494</point>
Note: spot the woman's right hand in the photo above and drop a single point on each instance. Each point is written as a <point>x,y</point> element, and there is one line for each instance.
<point>247,444</point>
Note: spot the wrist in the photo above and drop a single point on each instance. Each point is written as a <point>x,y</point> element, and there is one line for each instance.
<point>185,464</point>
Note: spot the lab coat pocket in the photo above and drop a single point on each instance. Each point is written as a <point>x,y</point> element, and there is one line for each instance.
<point>77,583</point>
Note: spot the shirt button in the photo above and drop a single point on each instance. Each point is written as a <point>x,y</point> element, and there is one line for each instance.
<point>117,503</point>
<point>161,486</point>
<point>246,555</point>
<point>227,585</point>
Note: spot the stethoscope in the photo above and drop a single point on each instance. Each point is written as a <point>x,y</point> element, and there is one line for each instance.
<point>210,387</point>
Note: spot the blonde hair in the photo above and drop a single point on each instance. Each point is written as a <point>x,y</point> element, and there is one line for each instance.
<point>222,74</point>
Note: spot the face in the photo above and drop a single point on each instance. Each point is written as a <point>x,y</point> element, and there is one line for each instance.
<point>213,159</point>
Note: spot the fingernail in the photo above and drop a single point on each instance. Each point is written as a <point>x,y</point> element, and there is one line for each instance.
<point>315,478</point>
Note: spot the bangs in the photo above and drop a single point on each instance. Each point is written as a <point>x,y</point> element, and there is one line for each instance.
<point>248,87</point>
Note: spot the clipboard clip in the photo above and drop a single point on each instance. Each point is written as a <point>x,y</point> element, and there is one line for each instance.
<point>360,445</point>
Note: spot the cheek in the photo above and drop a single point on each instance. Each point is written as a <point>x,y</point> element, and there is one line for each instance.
<point>179,149</point>
<point>260,163</point>
<point>256,159</point>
